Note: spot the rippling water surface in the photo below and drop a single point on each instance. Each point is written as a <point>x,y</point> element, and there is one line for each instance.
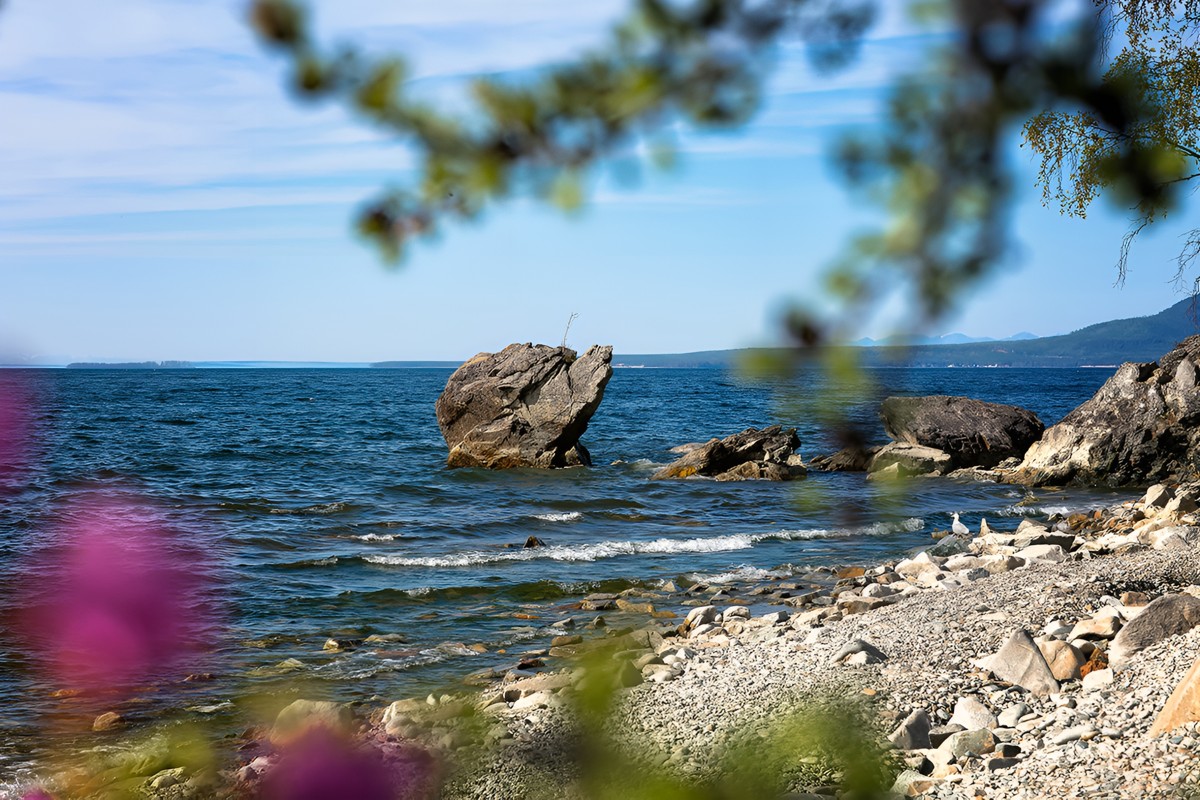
<point>322,499</point>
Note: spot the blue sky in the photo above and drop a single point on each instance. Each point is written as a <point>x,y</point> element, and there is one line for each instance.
<point>162,197</point>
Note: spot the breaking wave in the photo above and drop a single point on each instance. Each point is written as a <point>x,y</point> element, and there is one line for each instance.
<point>741,574</point>
<point>566,516</point>
<point>1019,510</point>
<point>602,550</point>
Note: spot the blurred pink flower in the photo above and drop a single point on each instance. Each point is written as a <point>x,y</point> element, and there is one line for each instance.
<point>324,766</point>
<point>122,598</point>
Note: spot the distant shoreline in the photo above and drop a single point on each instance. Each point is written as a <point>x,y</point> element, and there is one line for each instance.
<point>350,365</point>
<point>1104,345</point>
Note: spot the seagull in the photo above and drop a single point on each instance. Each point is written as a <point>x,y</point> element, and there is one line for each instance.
<point>958,528</point>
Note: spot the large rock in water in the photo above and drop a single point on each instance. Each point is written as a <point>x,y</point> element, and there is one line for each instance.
<point>1142,427</point>
<point>973,433</point>
<point>749,455</point>
<point>525,406</point>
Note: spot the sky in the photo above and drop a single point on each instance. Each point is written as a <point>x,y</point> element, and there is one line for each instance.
<point>162,196</point>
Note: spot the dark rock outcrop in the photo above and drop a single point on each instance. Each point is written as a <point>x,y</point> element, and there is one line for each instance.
<point>848,459</point>
<point>973,433</point>
<point>1141,427</point>
<point>525,406</point>
<point>749,455</point>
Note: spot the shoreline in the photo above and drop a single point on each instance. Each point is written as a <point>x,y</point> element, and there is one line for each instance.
<point>1083,739</point>
<point>699,685</point>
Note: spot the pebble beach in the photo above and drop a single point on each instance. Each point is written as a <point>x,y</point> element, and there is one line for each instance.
<point>1088,737</point>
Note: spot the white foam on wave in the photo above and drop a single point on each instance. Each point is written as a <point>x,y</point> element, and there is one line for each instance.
<point>361,668</point>
<point>741,574</point>
<point>378,537</point>
<point>583,552</point>
<point>1019,510</point>
<point>910,525</point>
<point>1051,510</point>
<point>566,516</point>
<point>602,550</point>
<point>640,464</point>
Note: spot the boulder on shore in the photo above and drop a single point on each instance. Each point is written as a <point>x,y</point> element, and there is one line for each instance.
<point>1183,706</point>
<point>1169,615</point>
<point>1141,427</point>
<point>749,455</point>
<point>1021,663</point>
<point>525,406</point>
<point>973,433</point>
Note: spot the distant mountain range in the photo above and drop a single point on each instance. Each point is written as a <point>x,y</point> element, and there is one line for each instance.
<point>131,365</point>
<point>949,338</point>
<point>1102,344</point>
<point>215,365</point>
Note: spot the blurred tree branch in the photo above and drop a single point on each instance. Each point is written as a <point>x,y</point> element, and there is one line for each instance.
<point>936,165</point>
<point>703,62</point>
<point>1081,154</point>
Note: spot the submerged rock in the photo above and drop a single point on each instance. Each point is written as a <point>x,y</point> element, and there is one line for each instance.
<point>109,720</point>
<point>749,455</point>
<point>302,715</point>
<point>901,459</point>
<point>1143,426</point>
<point>973,433</point>
<point>525,406</point>
<point>848,459</point>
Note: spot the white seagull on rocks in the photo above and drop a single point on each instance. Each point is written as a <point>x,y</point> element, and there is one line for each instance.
<point>958,528</point>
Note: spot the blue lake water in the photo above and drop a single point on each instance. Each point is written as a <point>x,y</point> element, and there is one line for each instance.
<point>322,499</point>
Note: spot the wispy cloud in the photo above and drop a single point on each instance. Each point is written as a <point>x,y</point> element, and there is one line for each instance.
<point>144,107</point>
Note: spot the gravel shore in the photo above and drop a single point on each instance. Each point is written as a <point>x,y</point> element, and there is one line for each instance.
<point>1087,738</point>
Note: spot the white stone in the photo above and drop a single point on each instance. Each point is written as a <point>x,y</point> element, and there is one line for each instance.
<point>1010,716</point>
<point>972,714</point>
<point>1043,552</point>
<point>1102,626</point>
<point>996,564</point>
<point>700,615</point>
<point>962,562</point>
<point>1097,679</point>
<point>541,699</point>
<point>1079,732</point>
